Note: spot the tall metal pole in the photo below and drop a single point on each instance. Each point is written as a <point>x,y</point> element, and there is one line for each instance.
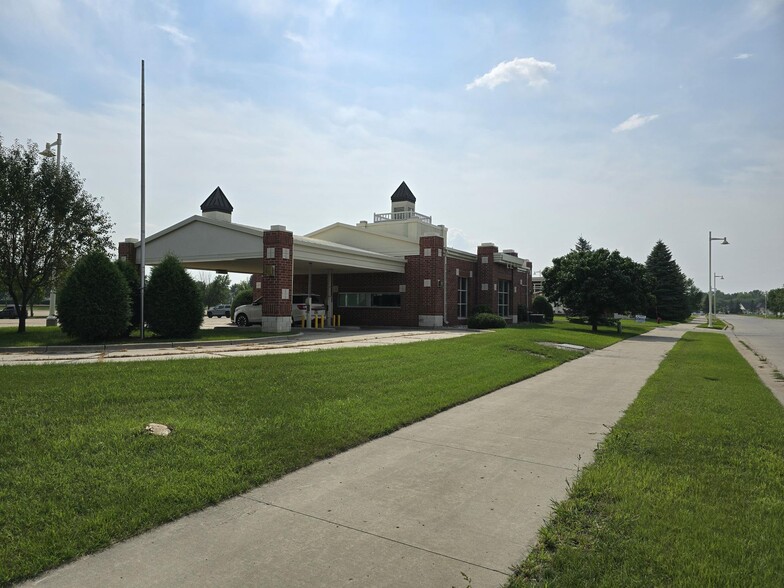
<point>143,260</point>
<point>710,273</point>
<point>51,320</point>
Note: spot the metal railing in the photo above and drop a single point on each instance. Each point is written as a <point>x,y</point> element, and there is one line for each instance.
<point>380,217</point>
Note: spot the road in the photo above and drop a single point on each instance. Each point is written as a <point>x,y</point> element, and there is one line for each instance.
<point>765,336</point>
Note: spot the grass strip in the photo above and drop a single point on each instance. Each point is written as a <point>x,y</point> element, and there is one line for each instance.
<point>77,472</point>
<point>686,490</point>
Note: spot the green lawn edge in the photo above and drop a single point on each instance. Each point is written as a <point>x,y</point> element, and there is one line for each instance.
<point>687,489</point>
<point>77,473</point>
<point>52,336</point>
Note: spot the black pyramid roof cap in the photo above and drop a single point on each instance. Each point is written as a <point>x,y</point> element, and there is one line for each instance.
<point>217,202</point>
<point>403,193</point>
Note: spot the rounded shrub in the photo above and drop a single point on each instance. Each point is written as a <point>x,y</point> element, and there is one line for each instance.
<point>172,302</point>
<point>540,305</point>
<point>94,302</point>
<point>481,309</point>
<point>486,320</point>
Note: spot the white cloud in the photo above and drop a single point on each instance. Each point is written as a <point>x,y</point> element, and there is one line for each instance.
<point>532,70</point>
<point>635,121</point>
<point>297,39</point>
<point>743,56</point>
<point>177,36</point>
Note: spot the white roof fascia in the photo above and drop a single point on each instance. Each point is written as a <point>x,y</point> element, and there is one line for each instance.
<point>508,259</point>
<point>458,254</point>
<point>316,250</point>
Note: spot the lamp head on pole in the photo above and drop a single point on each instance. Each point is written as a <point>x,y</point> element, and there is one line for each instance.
<point>48,151</point>
<point>724,242</point>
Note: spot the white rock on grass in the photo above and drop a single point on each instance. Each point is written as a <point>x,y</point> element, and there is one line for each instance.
<point>158,429</point>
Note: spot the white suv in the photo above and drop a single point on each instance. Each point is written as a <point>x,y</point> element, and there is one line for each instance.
<point>299,307</point>
<point>248,313</point>
<point>251,313</point>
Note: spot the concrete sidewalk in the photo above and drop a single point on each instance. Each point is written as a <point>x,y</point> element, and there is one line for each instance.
<point>464,491</point>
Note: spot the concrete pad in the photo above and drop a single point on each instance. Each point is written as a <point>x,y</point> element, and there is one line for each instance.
<point>243,542</point>
<point>440,499</point>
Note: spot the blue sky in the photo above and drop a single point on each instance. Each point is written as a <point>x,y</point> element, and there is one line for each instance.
<point>523,123</point>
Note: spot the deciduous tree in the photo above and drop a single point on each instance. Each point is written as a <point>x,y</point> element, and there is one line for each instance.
<point>595,282</point>
<point>217,291</point>
<point>47,221</point>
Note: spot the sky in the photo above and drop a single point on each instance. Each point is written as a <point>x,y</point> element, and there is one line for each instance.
<point>524,123</point>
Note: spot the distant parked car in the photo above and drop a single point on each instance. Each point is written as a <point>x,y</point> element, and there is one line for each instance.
<point>9,312</point>
<point>251,313</point>
<point>219,310</point>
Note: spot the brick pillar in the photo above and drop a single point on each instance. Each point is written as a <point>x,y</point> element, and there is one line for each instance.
<point>127,250</point>
<point>486,283</point>
<point>277,280</point>
<point>425,281</point>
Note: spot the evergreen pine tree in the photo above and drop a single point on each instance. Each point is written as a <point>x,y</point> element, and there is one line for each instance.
<point>582,245</point>
<point>668,285</point>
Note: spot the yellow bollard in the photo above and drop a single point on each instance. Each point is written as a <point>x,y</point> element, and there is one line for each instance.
<point>303,321</point>
<point>338,316</point>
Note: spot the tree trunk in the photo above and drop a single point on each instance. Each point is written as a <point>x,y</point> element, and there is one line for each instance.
<point>22,320</point>
<point>594,327</point>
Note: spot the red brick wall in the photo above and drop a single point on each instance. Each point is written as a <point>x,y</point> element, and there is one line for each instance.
<point>467,270</point>
<point>417,299</point>
<point>427,267</point>
<point>272,286</point>
<point>127,251</point>
<point>406,315</point>
<point>486,275</point>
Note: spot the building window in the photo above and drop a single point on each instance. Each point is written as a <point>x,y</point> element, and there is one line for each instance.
<point>462,297</point>
<point>503,297</point>
<point>369,299</point>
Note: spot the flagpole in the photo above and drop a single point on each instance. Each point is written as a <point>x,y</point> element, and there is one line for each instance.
<point>143,260</point>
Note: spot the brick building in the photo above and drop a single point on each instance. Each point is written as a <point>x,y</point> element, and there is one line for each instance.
<point>395,271</point>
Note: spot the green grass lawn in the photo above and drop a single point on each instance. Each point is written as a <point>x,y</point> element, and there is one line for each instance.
<point>77,473</point>
<point>44,336</point>
<point>686,490</point>
<point>717,324</point>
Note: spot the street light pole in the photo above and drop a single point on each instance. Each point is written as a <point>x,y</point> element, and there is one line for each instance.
<point>711,239</point>
<point>715,275</point>
<point>51,320</point>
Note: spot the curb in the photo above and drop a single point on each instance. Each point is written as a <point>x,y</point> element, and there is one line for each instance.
<point>133,346</point>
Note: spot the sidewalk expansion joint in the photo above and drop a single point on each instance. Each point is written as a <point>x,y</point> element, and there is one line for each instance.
<point>547,465</point>
<point>364,532</point>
